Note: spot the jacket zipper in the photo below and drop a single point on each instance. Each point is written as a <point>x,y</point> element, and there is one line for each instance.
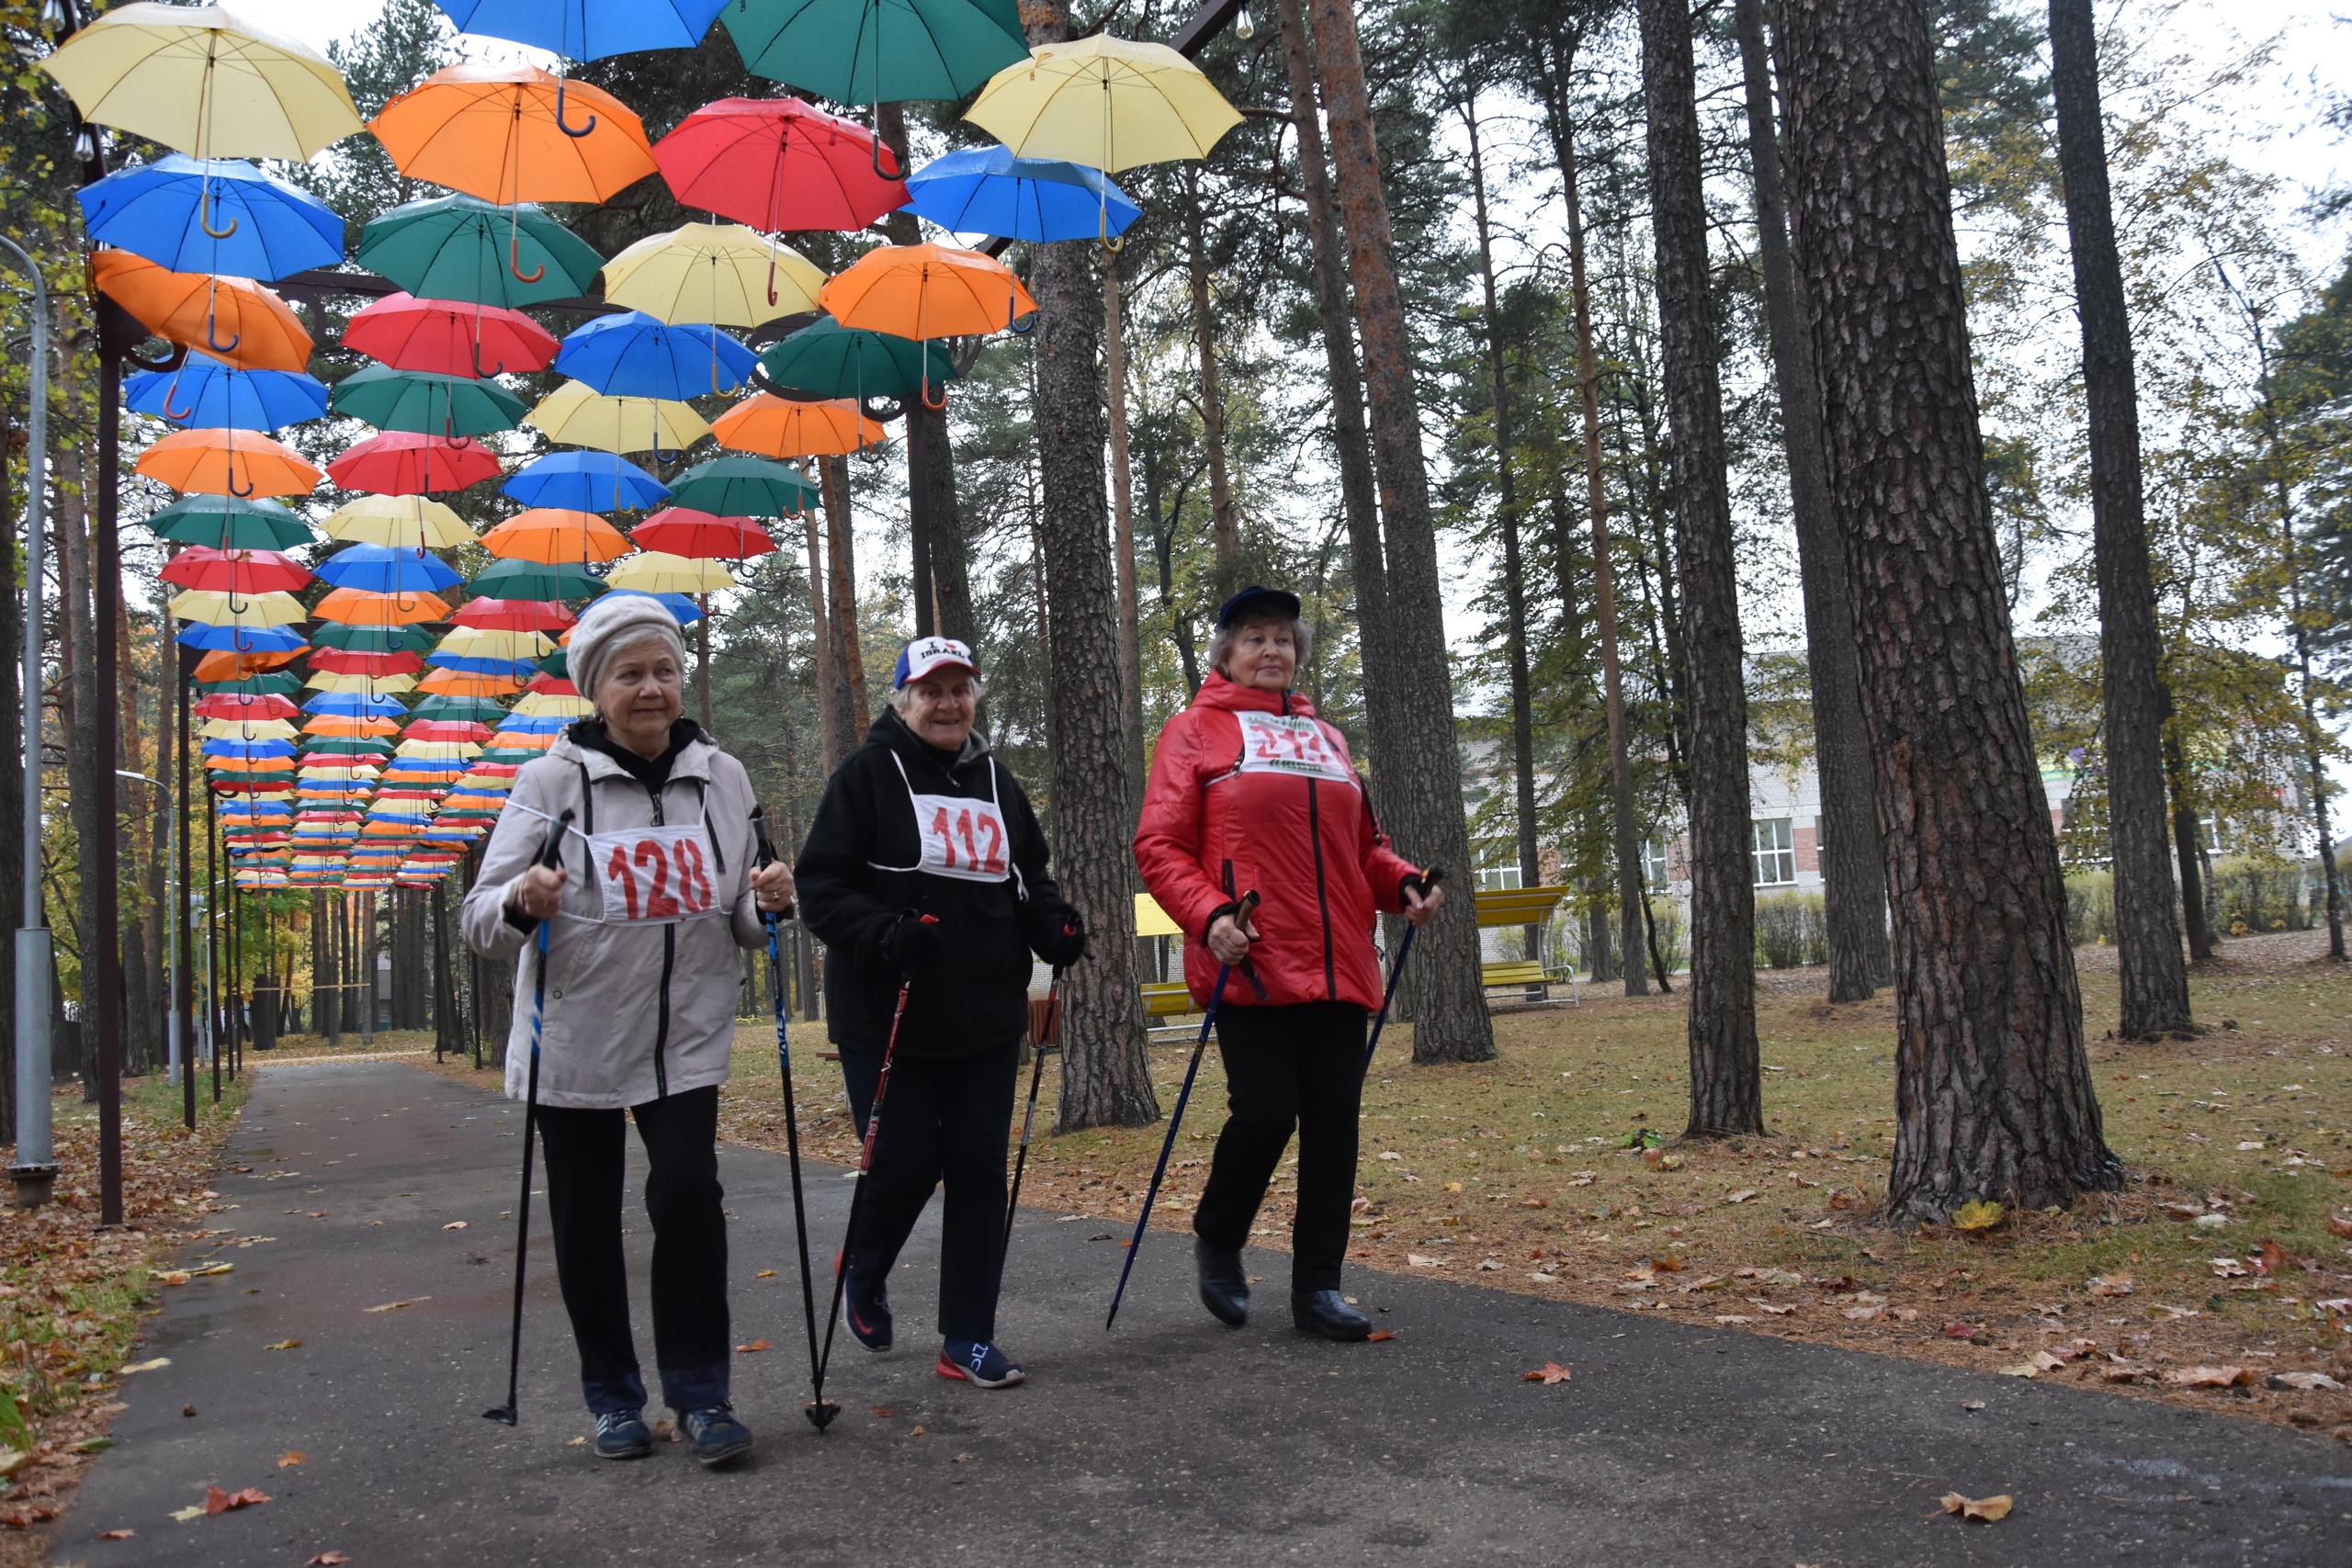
<point>669,961</point>
<point>1322,904</point>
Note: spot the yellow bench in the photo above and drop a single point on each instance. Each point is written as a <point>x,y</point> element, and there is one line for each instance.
<point>1167,999</point>
<point>1496,976</point>
<point>1504,906</point>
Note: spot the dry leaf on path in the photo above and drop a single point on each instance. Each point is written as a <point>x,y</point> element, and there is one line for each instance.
<point>755,1345</point>
<point>883,1411</point>
<point>765,1274</point>
<point>1378,1335</point>
<point>1547,1374</point>
<point>2208,1377</point>
<point>116,1535</point>
<point>193,1511</point>
<point>455,1226</point>
<point>1418,1261</point>
<point>2110,1285</point>
<point>1986,1508</point>
<point>158,1364</point>
<point>395,1307</point>
<point>325,1560</point>
<point>291,1458</point>
<point>285,1345</point>
<point>216,1501</point>
<point>2306,1382</point>
<point>1745,1194</point>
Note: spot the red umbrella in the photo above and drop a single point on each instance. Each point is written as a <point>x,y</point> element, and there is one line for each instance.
<point>779,165</point>
<point>343,661</point>
<point>552,685</point>
<point>683,531</point>
<point>513,616</point>
<point>235,571</point>
<point>449,337</point>
<point>403,462</point>
<point>245,707</point>
<point>446,729</point>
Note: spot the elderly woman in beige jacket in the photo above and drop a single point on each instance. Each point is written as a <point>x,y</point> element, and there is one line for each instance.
<point>655,894</point>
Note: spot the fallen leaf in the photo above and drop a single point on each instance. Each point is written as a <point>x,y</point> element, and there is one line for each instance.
<point>883,1410</point>
<point>2338,1226</point>
<point>455,1226</point>
<point>1535,1204</point>
<point>1547,1374</point>
<point>1377,1334</point>
<point>394,1306</point>
<point>285,1345</point>
<point>325,1560</point>
<point>1744,1194</point>
<point>2228,1269</point>
<point>291,1458</point>
<point>316,1214</point>
<point>2208,1377</point>
<point>2182,1212</point>
<point>172,1277</point>
<point>116,1535</point>
<point>2022,1369</point>
<point>2270,1260</point>
<point>156,1365</point>
<point>916,1433</point>
<point>1986,1508</point>
<point>193,1511</point>
<point>1417,1261</point>
<point>2110,1284</point>
<point>765,1274</point>
<point>1960,1331</point>
<point>755,1345</point>
<point>218,1501</point>
<point>1453,1186</point>
<point>2305,1382</point>
<point>1982,1214</point>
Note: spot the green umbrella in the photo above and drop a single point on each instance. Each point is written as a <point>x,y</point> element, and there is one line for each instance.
<point>509,754</point>
<point>532,580</point>
<point>331,746</point>
<point>277,683</point>
<point>226,523</point>
<point>869,51</point>
<point>557,664</point>
<point>425,403</point>
<point>373,640</point>
<point>742,487</point>
<point>461,247</point>
<point>834,361</point>
<point>440,705</point>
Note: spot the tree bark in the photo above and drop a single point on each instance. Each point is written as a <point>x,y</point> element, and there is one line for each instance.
<point>1852,867</point>
<point>2155,989</point>
<point>2187,831</point>
<point>1106,1079</point>
<point>828,710</point>
<point>1994,1096</point>
<point>1224,519</point>
<point>1726,1074</point>
<point>1123,525</point>
<point>82,703</point>
<point>849,665</point>
<point>15,552</point>
<point>1421,783</point>
<point>951,569</point>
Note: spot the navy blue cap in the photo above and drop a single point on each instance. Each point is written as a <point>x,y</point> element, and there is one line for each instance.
<point>1253,599</point>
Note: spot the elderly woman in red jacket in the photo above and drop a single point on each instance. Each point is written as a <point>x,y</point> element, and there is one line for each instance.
<point>1251,791</point>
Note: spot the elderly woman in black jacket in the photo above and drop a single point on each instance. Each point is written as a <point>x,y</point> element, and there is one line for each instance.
<point>925,868</point>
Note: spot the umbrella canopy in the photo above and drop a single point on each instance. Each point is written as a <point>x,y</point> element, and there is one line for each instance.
<point>236,463</point>
<point>239,639</point>
<point>733,486</point>
<point>246,728</point>
<point>987,190</point>
<point>586,30</point>
<point>234,318</point>
<point>494,131</point>
<point>683,531</point>
<point>535,580</point>
<point>654,571</point>
<point>335,682</point>
<point>206,391</point>
<point>717,273</point>
<point>349,706</point>
<point>926,291</point>
<point>480,642</point>
<point>422,402</point>
<point>219,216</point>
<point>459,707</point>
<point>210,676</point>
<point>516,669</point>
<point>385,569</point>
<point>579,416</point>
<point>449,337</point>
<point>225,705</point>
<point>777,427</point>
<point>461,247</point>
<point>337,661</point>
<point>373,640</point>
<point>778,165</point>
<point>235,571</point>
<point>879,51</point>
<point>206,81</point>
<point>412,522</point>
<point>225,522</point>
<point>360,607</point>
<point>834,361</point>
<point>680,604</point>
<point>408,462</point>
<point>585,481</point>
<point>1105,102</point>
<point>214,608</point>
<point>549,534</point>
<point>637,356</point>
<point>460,683</point>
<point>513,615</point>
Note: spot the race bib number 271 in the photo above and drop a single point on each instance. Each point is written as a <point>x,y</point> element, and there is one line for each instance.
<point>1290,743</point>
<point>652,875</point>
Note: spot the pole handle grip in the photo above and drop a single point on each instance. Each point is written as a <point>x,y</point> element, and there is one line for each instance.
<point>551,850</point>
<point>764,855</point>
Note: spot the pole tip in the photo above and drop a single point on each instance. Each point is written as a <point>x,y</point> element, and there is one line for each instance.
<point>504,1415</point>
<point>822,1413</point>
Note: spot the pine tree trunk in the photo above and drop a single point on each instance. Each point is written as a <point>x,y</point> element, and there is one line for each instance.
<point>1106,1079</point>
<point>79,729</point>
<point>2188,832</point>
<point>1421,783</point>
<point>1726,1075</point>
<point>951,569</point>
<point>2155,990</point>
<point>829,709</point>
<point>1994,1096</point>
<point>1853,873</point>
<point>14,554</point>
<point>849,664</point>
<point>1122,524</point>
<point>1225,521</point>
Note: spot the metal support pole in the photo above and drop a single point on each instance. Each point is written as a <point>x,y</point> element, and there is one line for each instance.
<point>118,333</point>
<point>920,433</point>
<point>184,986</point>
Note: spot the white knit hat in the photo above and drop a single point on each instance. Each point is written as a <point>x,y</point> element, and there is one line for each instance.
<point>611,624</point>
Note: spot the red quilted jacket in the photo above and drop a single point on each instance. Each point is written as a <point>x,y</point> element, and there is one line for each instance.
<point>1250,790</point>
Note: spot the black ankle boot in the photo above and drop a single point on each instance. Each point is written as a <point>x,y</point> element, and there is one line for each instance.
<point>1327,1314</point>
<point>1224,1286</point>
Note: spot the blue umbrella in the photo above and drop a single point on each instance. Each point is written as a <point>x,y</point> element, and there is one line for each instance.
<point>585,481</point>
<point>587,29</point>
<point>679,604</point>
<point>532,723</point>
<point>352,704</point>
<point>248,749</point>
<point>636,355</point>
<point>470,664</point>
<point>220,216</point>
<point>241,640</point>
<point>987,190</point>
<point>206,393</point>
<point>385,569</point>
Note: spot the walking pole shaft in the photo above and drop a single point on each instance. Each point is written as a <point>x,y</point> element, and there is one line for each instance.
<point>1404,950</point>
<point>791,1119</point>
<point>1029,1117</point>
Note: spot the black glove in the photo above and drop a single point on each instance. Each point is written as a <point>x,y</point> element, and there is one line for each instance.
<point>1417,883</point>
<point>915,944</point>
<point>1062,942</point>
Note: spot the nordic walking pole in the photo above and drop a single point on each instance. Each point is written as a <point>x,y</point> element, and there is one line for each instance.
<point>791,1112</point>
<point>822,1410</point>
<point>1430,879</point>
<point>1037,1076</point>
<point>1241,914</point>
<point>551,856</point>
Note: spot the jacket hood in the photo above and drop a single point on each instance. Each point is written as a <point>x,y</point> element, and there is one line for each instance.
<point>1216,692</point>
<point>891,730</point>
<point>692,761</point>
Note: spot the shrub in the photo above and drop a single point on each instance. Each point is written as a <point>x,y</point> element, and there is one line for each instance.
<point>2090,908</point>
<point>1790,931</point>
<point>2258,894</point>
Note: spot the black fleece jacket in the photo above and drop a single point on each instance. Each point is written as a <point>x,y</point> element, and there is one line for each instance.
<point>976,996</point>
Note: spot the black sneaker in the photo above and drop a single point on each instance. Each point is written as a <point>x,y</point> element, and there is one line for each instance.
<point>1225,1284</point>
<point>622,1434</point>
<point>716,1436</point>
<point>868,1312</point>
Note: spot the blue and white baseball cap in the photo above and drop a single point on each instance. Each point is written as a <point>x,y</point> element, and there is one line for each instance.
<point>925,654</point>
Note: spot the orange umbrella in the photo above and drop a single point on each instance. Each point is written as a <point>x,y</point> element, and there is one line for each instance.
<point>926,291</point>
<point>457,683</point>
<point>778,428</point>
<point>348,728</point>
<point>226,664</point>
<point>552,534</point>
<point>358,607</point>
<point>201,310</point>
<point>494,131</point>
<point>228,462</point>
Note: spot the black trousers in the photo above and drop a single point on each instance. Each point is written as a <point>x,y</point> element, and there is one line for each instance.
<point>585,1150</point>
<point>1298,1067</point>
<point>943,1123</point>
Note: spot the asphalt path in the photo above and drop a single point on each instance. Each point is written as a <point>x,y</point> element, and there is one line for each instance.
<point>1172,1440</point>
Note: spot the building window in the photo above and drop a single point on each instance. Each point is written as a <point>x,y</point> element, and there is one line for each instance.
<point>1776,854</point>
<point>1654,872</point>
<point>1498,878</point>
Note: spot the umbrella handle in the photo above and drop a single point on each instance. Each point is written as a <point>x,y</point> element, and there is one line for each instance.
<point>772,294</point>
<point>240,494</point>
<point>515,261</point>
<point>203,215</point>
<point>1012,324</point>
<point>183,413</point>
<point>481,374</point>
<point>875,148</point>
<point>1111,244</point>
<point>923,391</point>
<point>211,313</point>
<point>560,124</point>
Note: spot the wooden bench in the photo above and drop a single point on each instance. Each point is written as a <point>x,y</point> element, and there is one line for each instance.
<point>1521,975</point>
<point>1499,908</point>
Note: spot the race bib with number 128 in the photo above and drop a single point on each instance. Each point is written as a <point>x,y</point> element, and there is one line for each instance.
<point>654,876</point>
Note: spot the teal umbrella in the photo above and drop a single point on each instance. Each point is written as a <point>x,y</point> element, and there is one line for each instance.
<point>332,746</point>
<point>743,487</point>
<point>373,640</point>
<point>532,580</point>
<point>275,684</point>
<point>426,402</point>
<point>440,705</point>
<point>834,361</point>
<point>461,247</point>
<point>228,523</point>
<point>878,51</point>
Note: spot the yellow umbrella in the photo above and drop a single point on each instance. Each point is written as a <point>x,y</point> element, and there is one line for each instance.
<point>410,521</point>
<point>544,704</point>
<point>485,642</point>
<point>718,273</point>
<point>204,80</point>
<point>242,729</point>
<point>437,751</point>
<point>575,415</point>
<point>366,685</point>
<point>215,608</point>
<point>1106,102</point>
<point>651,571</point>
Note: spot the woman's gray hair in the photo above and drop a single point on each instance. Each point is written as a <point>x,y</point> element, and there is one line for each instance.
<point>903,697</point>
<point>1221,641</point>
